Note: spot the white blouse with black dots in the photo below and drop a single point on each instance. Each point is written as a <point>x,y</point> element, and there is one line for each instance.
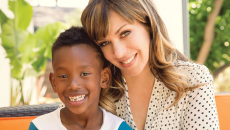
<point>195,111</point>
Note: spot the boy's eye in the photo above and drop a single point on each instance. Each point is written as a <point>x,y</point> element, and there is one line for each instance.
<point>103,43</point>
<point>125,33</point>
<point>62,76</point>
<point>85,74</point>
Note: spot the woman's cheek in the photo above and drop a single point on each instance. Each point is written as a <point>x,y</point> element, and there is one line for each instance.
<point>108,53</point>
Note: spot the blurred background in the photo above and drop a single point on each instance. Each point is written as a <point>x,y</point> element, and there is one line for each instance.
<point>199,28</point>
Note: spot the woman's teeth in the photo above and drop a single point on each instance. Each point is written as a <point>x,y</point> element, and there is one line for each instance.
<point>77,98</point>
<point>129,60</point>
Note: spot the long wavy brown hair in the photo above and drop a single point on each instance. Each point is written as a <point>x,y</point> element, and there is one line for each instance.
<point>163,54</point>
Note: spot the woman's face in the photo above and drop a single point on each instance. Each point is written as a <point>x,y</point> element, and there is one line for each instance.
<point>127,45</point>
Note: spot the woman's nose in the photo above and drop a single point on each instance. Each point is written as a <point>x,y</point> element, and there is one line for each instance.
<point>119,49</point>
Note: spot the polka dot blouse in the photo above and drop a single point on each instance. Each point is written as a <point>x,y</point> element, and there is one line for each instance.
<point>196,110</point>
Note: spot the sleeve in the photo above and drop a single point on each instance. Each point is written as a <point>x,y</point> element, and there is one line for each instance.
<point>32,126</point>
<point>124,126</point>
<point>201,112</point>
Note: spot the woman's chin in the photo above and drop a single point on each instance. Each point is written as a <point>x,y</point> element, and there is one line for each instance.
<point>132,73</point>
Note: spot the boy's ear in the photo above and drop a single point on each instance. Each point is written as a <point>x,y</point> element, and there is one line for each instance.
<point>106,77</point>
<point>52,82</point>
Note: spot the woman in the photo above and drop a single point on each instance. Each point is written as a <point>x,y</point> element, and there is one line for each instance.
<point>155,86</point>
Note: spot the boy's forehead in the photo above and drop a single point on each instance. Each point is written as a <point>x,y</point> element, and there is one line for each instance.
<point>74,48</point>
<point>81,53</point>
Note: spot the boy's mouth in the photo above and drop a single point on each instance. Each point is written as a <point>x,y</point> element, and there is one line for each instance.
<point>76,98</point>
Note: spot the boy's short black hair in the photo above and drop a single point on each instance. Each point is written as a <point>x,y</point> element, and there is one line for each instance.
<point>75,36</point>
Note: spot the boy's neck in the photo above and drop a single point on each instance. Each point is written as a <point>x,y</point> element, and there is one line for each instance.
<point>92,119</point>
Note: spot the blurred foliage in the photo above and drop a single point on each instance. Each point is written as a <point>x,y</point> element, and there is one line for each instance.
<point>199,11</point>
<point>13,33</point>
<point>27,52</point>
<point>222,81</point>
<point>36,47</point>
<point>74,18</point>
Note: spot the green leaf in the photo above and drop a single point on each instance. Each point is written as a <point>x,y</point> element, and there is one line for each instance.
<point>27,48</point>
<point>16,68</point>
<point>3,18</point>
<point>40,61</point>
<point>12,39</point>
<point>47,35</point>
<point>23,13</point>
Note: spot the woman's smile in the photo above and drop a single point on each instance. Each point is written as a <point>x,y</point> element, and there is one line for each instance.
<point>129,62</point>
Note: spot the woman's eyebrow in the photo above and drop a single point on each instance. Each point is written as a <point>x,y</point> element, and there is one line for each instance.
<point>115,33</point>
<point>120,29</point>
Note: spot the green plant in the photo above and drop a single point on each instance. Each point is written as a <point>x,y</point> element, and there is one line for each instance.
<point>199,11</point>
<point>27,52</point>
<point>13,34</point>
<point>219,54</point>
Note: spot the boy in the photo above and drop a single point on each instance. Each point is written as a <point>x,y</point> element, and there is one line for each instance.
<point>79,75</point>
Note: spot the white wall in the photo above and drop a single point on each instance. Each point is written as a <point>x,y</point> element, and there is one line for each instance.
<point>4,78</point>
<point>4,63</point>
<point>171,13</point>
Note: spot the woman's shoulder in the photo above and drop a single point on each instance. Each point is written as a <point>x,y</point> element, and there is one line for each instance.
<point>192,64</point>
<point>196,73</point>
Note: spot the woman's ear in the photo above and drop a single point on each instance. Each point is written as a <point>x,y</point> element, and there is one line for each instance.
<point>106,77</point>
<point>52,82</point>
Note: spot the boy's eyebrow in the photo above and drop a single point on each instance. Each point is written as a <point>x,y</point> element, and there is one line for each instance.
<point>60,68</point>
<point>84,66</point>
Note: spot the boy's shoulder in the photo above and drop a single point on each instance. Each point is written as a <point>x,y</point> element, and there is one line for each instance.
<point>50,121</point>
<point>113,122</point>
<point>51,115</point>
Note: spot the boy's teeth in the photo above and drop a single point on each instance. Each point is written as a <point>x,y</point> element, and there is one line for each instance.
<point>77,98</point>
<point>129,60</point>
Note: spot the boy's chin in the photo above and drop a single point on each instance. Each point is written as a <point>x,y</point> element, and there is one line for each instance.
<point>73,111</point>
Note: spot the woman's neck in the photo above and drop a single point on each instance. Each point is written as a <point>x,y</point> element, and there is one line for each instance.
<point>145,78</point>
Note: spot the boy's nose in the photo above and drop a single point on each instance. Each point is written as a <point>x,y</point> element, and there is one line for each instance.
<point>75,84</point>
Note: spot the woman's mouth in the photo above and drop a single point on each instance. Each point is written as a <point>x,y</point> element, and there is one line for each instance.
<point>129,62</point>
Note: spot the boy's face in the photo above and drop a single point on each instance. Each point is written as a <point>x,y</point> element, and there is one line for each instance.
<point>78,77</point>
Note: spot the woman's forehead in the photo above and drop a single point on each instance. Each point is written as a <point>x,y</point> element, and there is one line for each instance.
<point>99,17</point>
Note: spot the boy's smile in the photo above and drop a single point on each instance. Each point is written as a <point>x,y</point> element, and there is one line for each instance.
<point>77,78</point>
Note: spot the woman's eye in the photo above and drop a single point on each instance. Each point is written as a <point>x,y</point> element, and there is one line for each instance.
<point>62,76</point>
<point>104,43</point>
<point>125,33</point>
<point>85,74</point>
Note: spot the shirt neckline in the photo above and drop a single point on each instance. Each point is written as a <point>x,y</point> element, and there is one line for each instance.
<point>155,86</point>
<point>103,122</point>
